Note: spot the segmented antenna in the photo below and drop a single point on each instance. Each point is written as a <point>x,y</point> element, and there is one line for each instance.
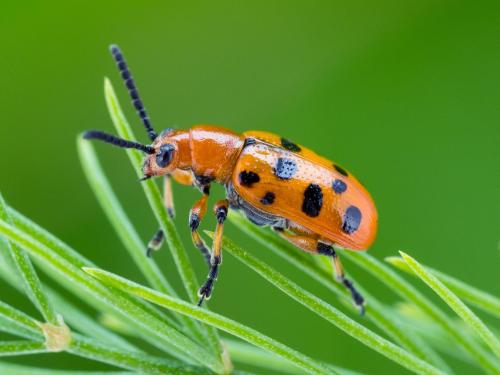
<point>132,89</point>
<point>123,143</point>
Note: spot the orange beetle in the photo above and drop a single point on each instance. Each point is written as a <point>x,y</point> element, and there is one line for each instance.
<point>308,200</point>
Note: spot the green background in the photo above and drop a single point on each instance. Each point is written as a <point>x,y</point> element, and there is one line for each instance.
<point>406,95</point>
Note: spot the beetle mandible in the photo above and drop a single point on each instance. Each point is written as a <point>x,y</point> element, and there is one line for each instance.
<point>309,201</point>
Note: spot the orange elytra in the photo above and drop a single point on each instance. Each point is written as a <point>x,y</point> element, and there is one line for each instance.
<point>308,200</point>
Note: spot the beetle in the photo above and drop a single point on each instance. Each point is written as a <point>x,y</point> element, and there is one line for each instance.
<point>306,199</point>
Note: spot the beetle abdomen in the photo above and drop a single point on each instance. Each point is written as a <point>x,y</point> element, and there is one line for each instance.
<point>289,183</point>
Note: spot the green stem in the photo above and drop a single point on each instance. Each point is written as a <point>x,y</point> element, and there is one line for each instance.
<point>124,228</point>
<point>153,195</point>
<point>474,296</point>
<point>455,303</point>
<point>248,354</point>
<point>150,326</point>
<point>73,316</point>
<point>16,369</point>
<point>239,330</point>
<point>409,293</point>
<point>331,314</point>
<point>88,348</point>
<point>139,362</point>
<point>375,310</point>
<point>32,285</point>
<point>13,348</point>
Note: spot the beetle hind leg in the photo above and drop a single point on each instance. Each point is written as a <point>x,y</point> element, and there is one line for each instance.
<point>311,244</point>
<point>357,298</point>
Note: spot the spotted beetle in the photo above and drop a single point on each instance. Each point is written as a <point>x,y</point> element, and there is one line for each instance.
<point>309,201</point>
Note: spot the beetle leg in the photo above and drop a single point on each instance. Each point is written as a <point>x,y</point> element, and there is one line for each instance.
<point>313,245</point>
<point>157,240</point>
<point>155,243</point>
<point>168,197</point>
<point>195,217</point>
<point>182,177</point>
<point>220,210</point>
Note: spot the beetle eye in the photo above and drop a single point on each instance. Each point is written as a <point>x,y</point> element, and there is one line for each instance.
<point>165,156</point>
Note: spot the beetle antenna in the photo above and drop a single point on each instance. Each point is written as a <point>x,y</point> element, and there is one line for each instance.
<point>132,89</point>
<point>120,142</point>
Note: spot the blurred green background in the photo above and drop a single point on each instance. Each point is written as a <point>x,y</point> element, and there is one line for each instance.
<point>404,94</point>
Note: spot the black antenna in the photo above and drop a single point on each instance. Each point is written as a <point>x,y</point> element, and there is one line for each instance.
<point>132,89</point>
<point>123,143</point>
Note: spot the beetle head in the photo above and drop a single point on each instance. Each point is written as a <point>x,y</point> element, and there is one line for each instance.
<point>165,157</point>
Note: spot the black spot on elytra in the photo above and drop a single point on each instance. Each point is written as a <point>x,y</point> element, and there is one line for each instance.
<point>339,186</point>
<point>289,145</point>
<point>285,168</point>
<point>268,198</point>
<point>248,178</point>
<point>352,219</point>
<point>313,200</point>
<point>341,170</point>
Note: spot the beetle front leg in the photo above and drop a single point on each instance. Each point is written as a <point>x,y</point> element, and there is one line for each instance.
<point>220,210</point>
<point>313,245</point>
<point>157,239</point>
<point>182,177</point>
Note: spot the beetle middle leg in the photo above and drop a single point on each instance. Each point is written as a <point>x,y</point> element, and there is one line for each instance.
<point>220,210</point>
<point>310,243</point>
<point>195,217</point>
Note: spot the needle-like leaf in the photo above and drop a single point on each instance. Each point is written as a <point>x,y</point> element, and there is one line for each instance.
<point>455,303</point>
<point>237,329</point>
<point>474,296</point>
<point>32,284</point>
<point>375,310</point>
<point>153,195</point>
<point>328,312</point>
<point>134,313</point>
<point>400,286</point>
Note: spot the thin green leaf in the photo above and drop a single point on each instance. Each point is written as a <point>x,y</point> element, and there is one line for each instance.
<point>239,330</point>
<point>119,219</point>
<point>16,369</point>
<point>124,228</point>
<point>74,317</point>
<point>153,195</point>
<point>92,349</point>
<point>455,303</point>
<point>474,296</point>
<point>77,319</point>
<point>409,293</point>
<point>61,250</point>
<point>32,285</point>
<point>328,312</point>
<point>8,326</point>
<point>21,322</point>
<point>149,325</point>
<point>13,348</point>
<point>154,198</point>
<point>415,320</point>
<point>375,310</point>
<point>139,362</point>
<point>250,355</point>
